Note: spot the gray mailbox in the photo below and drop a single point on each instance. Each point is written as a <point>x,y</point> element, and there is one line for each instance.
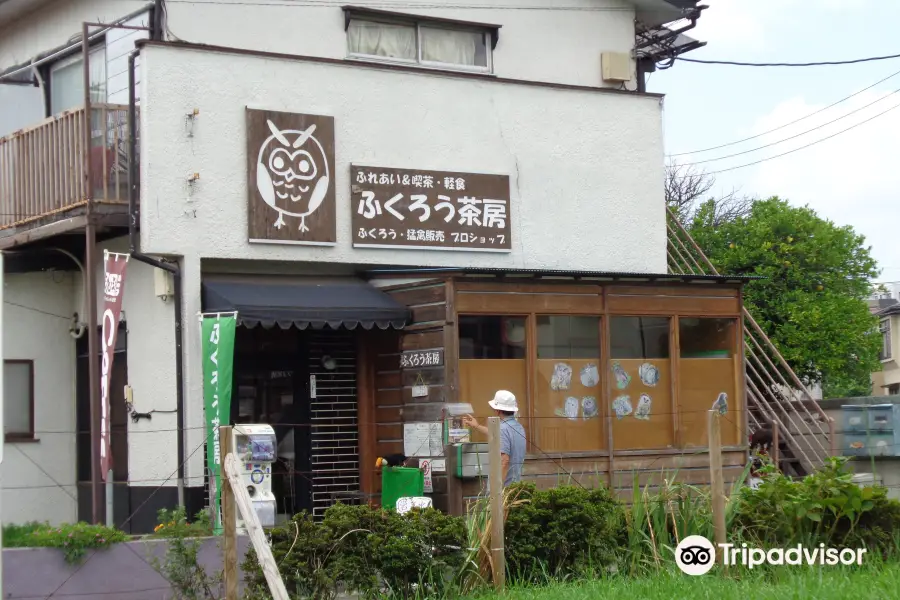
<point>472,460</point>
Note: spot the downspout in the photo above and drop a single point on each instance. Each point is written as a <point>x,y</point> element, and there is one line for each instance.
<point>172,268</point>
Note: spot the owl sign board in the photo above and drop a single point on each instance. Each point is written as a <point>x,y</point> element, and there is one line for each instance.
<point>290,177</point>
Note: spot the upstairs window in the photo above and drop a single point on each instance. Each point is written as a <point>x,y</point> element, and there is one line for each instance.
<point>67,80</point>
<point>430,42</point>
<point>885,329</point>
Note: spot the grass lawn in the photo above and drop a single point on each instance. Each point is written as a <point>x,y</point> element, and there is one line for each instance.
<point>783,583</point>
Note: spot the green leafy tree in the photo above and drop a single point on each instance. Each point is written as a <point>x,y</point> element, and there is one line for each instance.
<point>812,302</point>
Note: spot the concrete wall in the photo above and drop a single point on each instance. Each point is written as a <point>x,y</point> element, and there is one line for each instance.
<point>36,320</point>
<point>555,40</point>
<point>122,571</point>
<point>585,167</point>
<point>151,371</point>
<point>29,107</point>
<point>552,40</point>
<point>54,24</point>
<point>29,494</point>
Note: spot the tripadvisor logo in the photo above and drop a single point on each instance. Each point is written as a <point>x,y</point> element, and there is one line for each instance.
<point>696,555</point>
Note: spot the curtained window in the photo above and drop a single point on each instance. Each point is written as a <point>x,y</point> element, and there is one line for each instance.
<point>411,42</point>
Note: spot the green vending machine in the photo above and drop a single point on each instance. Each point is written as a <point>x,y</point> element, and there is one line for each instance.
<point>400,482</point>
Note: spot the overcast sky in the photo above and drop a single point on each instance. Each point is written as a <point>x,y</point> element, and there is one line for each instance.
<point>853,178</point>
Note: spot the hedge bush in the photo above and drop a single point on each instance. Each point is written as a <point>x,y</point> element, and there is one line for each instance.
<point>823,507</point>
<point>562,531</point>
<point>369,551</point>
<point>74,539</point>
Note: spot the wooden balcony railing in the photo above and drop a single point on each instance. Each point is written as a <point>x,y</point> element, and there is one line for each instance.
<point>45,169</point>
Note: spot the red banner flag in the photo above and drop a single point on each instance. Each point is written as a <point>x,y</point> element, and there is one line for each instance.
<point>114,266</point>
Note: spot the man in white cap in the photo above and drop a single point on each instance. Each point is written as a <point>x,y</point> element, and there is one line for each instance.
<point>512,435</point>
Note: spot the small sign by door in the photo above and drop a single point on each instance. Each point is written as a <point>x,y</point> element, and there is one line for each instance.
<point>425,465</point>
<point>312,386</point>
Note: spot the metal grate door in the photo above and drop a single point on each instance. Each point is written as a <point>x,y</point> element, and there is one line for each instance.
<point>333,415</point>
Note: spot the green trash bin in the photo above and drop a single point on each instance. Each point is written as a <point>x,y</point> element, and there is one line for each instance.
<point>400,482</point>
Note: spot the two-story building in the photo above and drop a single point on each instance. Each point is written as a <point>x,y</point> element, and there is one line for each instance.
<point>886,306</point>
<point>479,182</point>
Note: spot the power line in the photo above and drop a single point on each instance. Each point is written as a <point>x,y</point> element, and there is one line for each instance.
<point>753,137</point>
<point>404,4</point>
<point>802,133</point>
<point>37,310</point>
<point>808,64</point>
<point>801,147</point>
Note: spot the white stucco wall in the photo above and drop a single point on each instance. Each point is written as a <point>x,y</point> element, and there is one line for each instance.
<point>29,107</point>
<point>552,40</point>
<point>36,319</point>
<point>54,24</point>
<point>151,370</point>
<point>586,167</point>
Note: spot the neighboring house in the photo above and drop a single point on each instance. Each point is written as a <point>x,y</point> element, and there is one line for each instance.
<point>887,381</point>
<point>483,182</point>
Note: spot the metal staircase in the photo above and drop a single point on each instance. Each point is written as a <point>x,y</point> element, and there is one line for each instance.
<point>776,398</point>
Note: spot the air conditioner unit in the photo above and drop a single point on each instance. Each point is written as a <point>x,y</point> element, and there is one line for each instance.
<point>616,67</point>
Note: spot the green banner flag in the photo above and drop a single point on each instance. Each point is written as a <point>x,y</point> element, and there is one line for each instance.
<point>217,335</point>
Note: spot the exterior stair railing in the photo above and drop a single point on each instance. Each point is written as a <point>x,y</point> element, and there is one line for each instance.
<point>776,397</point>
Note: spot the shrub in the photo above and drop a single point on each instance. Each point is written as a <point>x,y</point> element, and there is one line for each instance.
<point>361,549</point>
<point>824,507</point>
<point>180,565</point>
<point>73,539</point>
<point>19,536</point>
<point>561,531</point>
<point>173,523</point>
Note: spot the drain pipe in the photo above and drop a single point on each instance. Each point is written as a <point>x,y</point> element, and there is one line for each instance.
<point>172,268</point>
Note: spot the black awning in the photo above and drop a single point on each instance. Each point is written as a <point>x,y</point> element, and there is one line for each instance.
<point>302,302</point>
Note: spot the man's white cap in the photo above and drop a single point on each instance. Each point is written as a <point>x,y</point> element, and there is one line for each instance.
<point>505,401</point>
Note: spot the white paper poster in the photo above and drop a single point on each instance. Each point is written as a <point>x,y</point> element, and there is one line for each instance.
<point>422,439</point>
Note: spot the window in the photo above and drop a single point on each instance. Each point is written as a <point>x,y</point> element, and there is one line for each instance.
<point>67,81</point>
<point>707,368</point>
<point>894,390</point>
<point>18,399</point>
<point>641,383</point>
<point>429,42</point>
<point>885,328</point>
<point>568,395</point>
<point>492,353</point>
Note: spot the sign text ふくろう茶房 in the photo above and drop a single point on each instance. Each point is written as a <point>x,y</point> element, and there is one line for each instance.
<point>422,358</point>
<point>430,209</point>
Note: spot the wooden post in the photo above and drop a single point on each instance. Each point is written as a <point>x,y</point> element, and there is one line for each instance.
<point>775,441</point>
<point>454,483</point>
<point>717,485</point>
<point>498,557</point>
<point>254,529</point>
<point>229,523</point>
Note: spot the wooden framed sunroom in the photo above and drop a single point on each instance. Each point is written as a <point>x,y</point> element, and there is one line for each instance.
<point>614,373</point>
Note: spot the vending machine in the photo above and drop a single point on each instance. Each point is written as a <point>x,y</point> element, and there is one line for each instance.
<point>254,447</point>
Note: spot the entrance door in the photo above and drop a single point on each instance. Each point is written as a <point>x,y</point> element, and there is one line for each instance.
<point>303,383</point>
<point>334,429</point>
<point>269,387</point>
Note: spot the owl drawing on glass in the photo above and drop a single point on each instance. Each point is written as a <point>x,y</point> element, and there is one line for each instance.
<point>292,173</point>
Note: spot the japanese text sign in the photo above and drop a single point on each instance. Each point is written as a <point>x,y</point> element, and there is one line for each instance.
<point>422,358</point>
<point>431,210</point>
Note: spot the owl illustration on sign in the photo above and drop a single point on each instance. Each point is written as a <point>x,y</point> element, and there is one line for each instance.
<point>292,173</point>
